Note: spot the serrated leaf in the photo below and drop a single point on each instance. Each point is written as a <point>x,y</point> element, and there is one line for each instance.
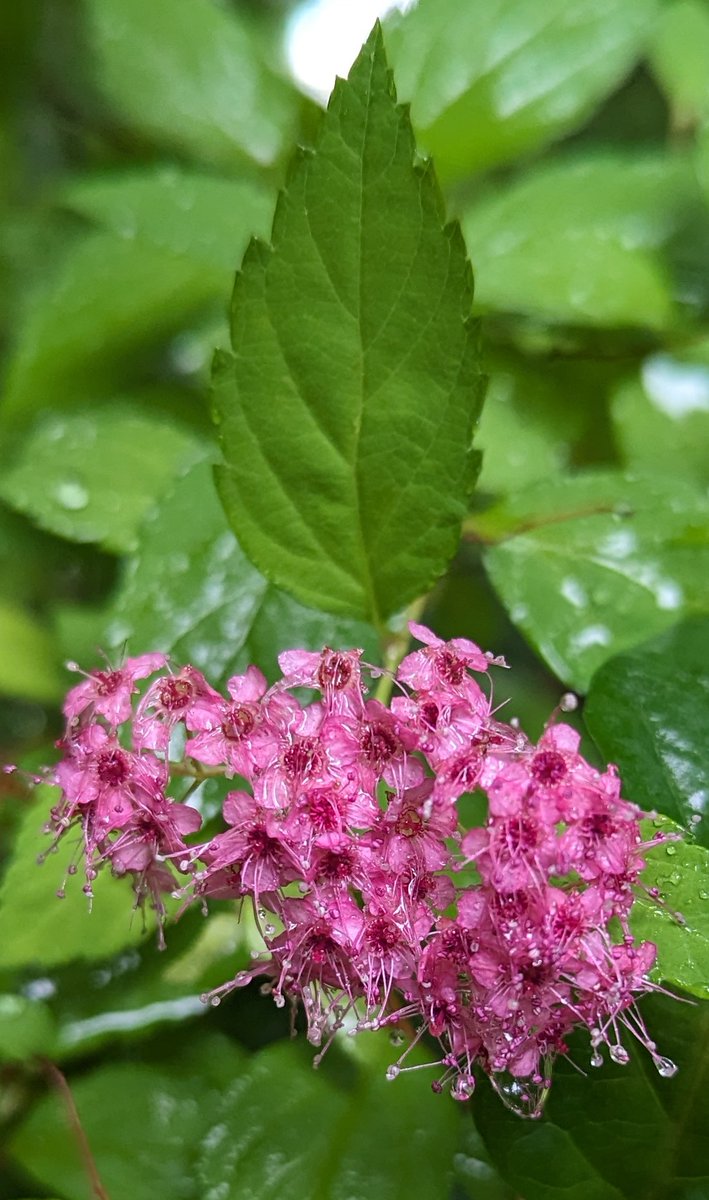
<point>164,255</point>
<point>661,418</point>
<point>619,1132</point>
<point>593,565</point>
<point>578,239</point>
<point>490,80</point>
<point>28,661</point>
<point>679,923</point>
<point>189,74</point>
<point>347,409</point>
<point>143,1123</point>
<point>202,600</point>
<point>648,711</point>
<point>92,476</point>
<point>59,930</point>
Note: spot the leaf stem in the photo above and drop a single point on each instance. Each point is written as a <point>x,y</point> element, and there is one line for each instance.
<point>58,1079</point>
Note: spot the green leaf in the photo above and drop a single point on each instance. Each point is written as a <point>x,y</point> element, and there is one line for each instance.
<point>679,924</point>
<point>190,591</point>
<point>527,428</point>
<point>577,240</point>
<point>661,417</point>
<point>181,211</point>
<point>590,566</point>
<point>617,1133</point>
<point>165,254</point>
<point>59,931</point>
<point>143,1124</point>
<point>678,54</point>
<point>216,1124</point>
<point>26,1028</point>
<point>648,711</point>
<point>326,1141</point>
<point>92,476</point>
<point>489,80</point>
<point>346,412</point>
<point>188,74</point>
<point>28,664</point>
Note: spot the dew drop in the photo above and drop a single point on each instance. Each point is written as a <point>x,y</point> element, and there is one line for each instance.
<point>671,850</point>
<point>596,1060</point>
<point>569,702</point>
<point>215,1001</point>
<point>71,494</point>
<point>704,895</point>
<point>619,1054</point>
<point>666,1067</point>
<point>392,1072</point>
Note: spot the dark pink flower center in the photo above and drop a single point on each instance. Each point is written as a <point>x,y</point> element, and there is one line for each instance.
<point>112,767</point>
<point>301,758</point>
<point>336,867</point>
<point>379,744</point>
<point>335,670</point>
<point>175,694</point>
<point>409,823</point>
<point>108,682</point>
<point>450,667</point>
<point>382,936</point>
<point>548,767</point>
<point>238,723</point>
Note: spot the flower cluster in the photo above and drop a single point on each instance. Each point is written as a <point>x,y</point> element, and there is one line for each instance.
<point>377,909</point>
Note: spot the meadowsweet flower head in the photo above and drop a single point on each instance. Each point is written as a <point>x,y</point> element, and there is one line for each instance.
<point>345,835</point>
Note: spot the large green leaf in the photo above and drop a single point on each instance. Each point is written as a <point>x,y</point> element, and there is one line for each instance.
<point>576,240</point>
<point>182,211</point>
<point>216,1125</point>
<point>592,565</point>
<point>373,1139</point>
<point>346,411</point>
<point>165,252</point>
<point>489,80</point>
<point>191,591</point>
<point>661,417</point>
<point>648,710</point>
<point>619,1132</point>
<point>28,660</point>
<point>92,476</point>
<point>143,1122</point>
<point>677,921</point>
<point>59,931</point>
<point>678,53</point>
<point>188,74</point>
<point>527,428</point>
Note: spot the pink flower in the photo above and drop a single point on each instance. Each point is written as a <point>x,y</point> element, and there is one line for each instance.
<point>108,693</point>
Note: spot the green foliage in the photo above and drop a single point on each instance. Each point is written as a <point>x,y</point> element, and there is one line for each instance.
<point>265,1125</point>
<point>609,217</point>
<point>366,366</point>
<point>648,711</point>
<point>591,565</point>
<point>204,602</point>
<point>101,470</point>
<point>616,1132</point>
<point>204,90</point>
<point>60,931</point>
<point>141,149</point>
<point>489,81</point>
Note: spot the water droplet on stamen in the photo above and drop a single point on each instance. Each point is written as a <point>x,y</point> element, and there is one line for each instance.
<point>666,1067</point>
<point>392,1072</point>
